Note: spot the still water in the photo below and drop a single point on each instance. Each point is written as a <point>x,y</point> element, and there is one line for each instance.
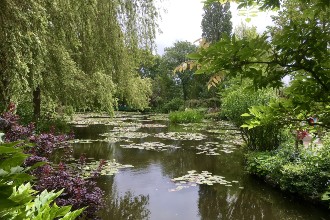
<point>207,157</point>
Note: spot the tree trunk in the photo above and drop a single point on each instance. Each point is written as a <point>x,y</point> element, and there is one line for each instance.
<point>184,92</point>
<point>36,103</point>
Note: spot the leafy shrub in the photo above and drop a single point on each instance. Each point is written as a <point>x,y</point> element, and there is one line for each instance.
<point>20,201</point>
<point>305,172</point>
<point>187,116</point>
<point>77,191</point>
<point>203,103</point>
<point>173,105</point>
<point>238,102</point>
<point>58,123</point>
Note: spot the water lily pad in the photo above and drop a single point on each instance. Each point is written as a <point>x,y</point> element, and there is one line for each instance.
<point>80,141</point>
<point>153,126</point>
<point>204,178</point>
<point>123,135</point>
<point>181,136</point>
<point>108,167</point>
<point>156,146</point>
<point>159,117</point>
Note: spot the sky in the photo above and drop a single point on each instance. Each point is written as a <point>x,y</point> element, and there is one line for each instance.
<point>182,22</point>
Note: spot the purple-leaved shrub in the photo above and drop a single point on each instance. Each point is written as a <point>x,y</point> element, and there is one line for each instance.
<point>78,192</point>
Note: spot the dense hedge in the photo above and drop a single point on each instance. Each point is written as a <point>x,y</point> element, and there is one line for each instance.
<point>305,171</point>
<point>237,102</point>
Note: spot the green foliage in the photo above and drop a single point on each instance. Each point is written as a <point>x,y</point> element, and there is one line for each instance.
<point>166,85</point>
<point>237,101</point>
<point>72,53</point>
<point>39,207</point>
<point>164,89</point>
<point>11,170</point>
<point>139,92</point>
<point>203,103</point>
<point>19,200</point>
<point>173,105</point>
<point>188,116</point>
<point>295,47</point>
<point>305,172</point>
<point>267,4</point>
<point>243,31</point>
<point>216,21</point>
<point>173,57</point>
<point>52,116</point>
<point>58,123</point>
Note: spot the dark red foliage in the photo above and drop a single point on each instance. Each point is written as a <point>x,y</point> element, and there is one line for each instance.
<point>13,131</point>
<point>78,192</point>
<point>33,160</point>
<point>46,143</point>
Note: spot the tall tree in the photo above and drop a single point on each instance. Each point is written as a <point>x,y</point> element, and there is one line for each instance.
<point>298,48</point>
<point>75,53</point>
<point>173,57</point>
<point>216,21</point>
<point>22,47</point>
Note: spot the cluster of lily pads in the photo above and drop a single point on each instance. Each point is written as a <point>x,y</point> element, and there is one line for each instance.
<point>83,120</point>
<point>109,167</point>
<point>156,146</point>
<point>122,129</point>
<point>159,117</point>
<point>89,141</point>
<point>213,148</point>
<point>153,126</point>
<point>227,148</point>
<point>181,136</point>
<point>128,135</point>
<point>204,178</point>
<point>236,141</point>
<point>225,124</point>
<point>208,148</point>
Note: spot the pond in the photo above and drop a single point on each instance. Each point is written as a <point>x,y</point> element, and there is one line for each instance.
<point>169,172</point>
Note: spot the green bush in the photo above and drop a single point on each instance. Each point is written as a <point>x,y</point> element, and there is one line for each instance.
<point>173,105</point>
<point>59,123</point>
<point>52,116</point>
<point>237,102</point>
<point>188,116</point>
<point>19,200</point>
<point>305,172</point>
<point>203,103</point>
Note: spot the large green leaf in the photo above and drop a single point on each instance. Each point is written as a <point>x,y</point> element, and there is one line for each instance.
<point>194,56</point>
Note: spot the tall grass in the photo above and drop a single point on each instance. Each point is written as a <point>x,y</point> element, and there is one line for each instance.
<point>188,116</point>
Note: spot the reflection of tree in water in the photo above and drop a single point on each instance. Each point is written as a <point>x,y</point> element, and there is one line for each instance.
<point>249,205</point>
<point>96,150</point>
<point>215,208</point>
<point>127,207</point>
<point>231,204</point>
<point>255,201</point>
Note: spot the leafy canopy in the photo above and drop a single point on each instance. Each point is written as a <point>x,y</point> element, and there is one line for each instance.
<point>297,46</point>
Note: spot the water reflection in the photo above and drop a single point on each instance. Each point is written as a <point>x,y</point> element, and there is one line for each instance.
<point>143,192</point>
<point>127,206</point>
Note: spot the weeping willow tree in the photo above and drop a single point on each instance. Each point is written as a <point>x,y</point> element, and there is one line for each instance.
<point>83,54</point>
